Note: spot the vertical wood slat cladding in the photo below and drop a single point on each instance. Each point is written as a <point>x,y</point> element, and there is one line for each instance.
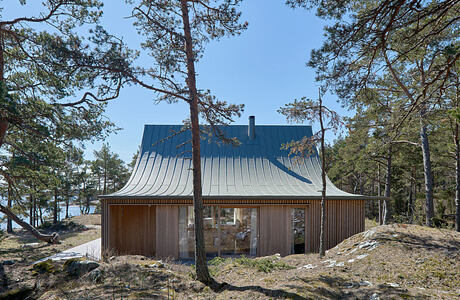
<point>131,229</point>
<point>344,219</point>
<point>157,233</point>
<point>167,231</point>
<point>274,230</point>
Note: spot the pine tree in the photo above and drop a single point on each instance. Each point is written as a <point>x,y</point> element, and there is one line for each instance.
<point>174,34</point>
<point>53,84</point>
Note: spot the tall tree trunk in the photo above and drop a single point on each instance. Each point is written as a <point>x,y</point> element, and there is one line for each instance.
<point>55,210</point>
<point>412,193</point>
<point>386,202</point>
<point>457,178</point>
<point>88,203</point>
<point>31,211</point>
<point>9,223</point>
<point>67,204</point>
<point>3,114</point>
<point>200,253</point>
<point>53,238</point>
<point>35,213</point>
<point>40,214</point>
<point>429,206</point>
<point>379,193</point>
<point>322,237</point>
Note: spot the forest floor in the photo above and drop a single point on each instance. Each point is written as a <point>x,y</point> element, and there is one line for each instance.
<point>385,262</point>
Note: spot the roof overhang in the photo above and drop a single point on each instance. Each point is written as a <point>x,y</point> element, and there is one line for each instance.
<point>252,197</point>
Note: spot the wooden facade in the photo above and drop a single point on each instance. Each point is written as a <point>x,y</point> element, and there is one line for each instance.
<point>151,227</point>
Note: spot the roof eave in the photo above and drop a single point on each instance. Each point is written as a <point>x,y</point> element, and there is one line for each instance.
<point>252,197</point>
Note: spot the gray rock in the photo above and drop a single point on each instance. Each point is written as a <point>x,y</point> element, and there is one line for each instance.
<point>8,262</point>
<point>158,264</point>
<point>95,276</point>
<point>76,267</point>
<point>374,296</point>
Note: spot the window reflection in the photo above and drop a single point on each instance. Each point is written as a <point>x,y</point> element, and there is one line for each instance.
<point>227,231</point>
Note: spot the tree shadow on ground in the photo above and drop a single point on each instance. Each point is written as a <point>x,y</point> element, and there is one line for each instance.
<point>415,241</point>
<point>327,287</point>
<point>275,293</point>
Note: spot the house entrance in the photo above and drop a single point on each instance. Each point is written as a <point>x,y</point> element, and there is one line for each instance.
<point>298,230</point>
<point>227,231</point>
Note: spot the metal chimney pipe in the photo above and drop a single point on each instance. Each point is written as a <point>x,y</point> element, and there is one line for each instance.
<point>252,127</point>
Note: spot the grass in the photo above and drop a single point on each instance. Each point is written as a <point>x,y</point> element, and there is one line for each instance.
<point>265,265</point>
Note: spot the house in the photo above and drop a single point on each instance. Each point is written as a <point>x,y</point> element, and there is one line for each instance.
<point>258,200</point>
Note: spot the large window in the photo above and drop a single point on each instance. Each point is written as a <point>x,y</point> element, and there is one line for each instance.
<point>227,231</point>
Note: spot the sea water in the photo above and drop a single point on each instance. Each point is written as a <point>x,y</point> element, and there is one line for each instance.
<point>74,210</point>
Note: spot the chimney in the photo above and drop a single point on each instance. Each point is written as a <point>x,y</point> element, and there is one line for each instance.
<point>252,127</point>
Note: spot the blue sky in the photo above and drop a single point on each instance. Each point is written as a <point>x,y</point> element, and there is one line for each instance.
<point>264,68</point>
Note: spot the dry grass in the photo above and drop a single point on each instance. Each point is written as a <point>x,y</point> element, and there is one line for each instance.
<point>391,262</point>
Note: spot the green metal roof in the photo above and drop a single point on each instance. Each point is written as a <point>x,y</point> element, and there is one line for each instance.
<point>256,169</point>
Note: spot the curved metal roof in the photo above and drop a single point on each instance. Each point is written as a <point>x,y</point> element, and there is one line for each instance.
<point>257,168</point>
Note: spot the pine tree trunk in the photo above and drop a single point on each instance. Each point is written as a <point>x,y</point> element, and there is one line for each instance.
<point>322,237</point>
<point>34,212</point>
<point>9,223</point>
<point>379,193</point>
<point>87,205</point>
<point>53,238</point>
<point>40,214</point>
<point>386,202</point>
<point>55,210</point>
<point>457,178</point>
<point>67,205</point>
<point>200,252</point>
<point>410,202</point>
<point>31,212</point>
<point>427,169</point>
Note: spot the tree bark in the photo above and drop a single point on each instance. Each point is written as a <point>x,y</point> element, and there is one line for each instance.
<point>427,169</point>
<point>55,210</point>
<point>200,252</point>
<point>51,239</point>
<point>40,214</point>
<point>322,237</point>
<point>31,212</point>
<point>412,192</point>
<point>67,204</point>
<point>386,202</point>
<point>9,223</point>
<point>457,178</point>
<point>379,193</point>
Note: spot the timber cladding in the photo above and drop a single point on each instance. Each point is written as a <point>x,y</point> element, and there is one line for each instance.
<point>147,227</point>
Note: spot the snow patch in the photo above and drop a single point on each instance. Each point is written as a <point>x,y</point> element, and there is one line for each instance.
<point>362,256</point>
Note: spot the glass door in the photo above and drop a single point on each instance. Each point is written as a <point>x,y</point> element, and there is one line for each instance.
<point>298,230</point>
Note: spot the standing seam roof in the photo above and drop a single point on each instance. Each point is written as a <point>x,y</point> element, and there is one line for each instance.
<point>257,168</point>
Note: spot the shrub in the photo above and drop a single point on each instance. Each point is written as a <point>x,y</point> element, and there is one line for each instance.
<point>265,265</point>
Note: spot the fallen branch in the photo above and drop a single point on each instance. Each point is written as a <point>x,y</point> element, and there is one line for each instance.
<point>48,238</point>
